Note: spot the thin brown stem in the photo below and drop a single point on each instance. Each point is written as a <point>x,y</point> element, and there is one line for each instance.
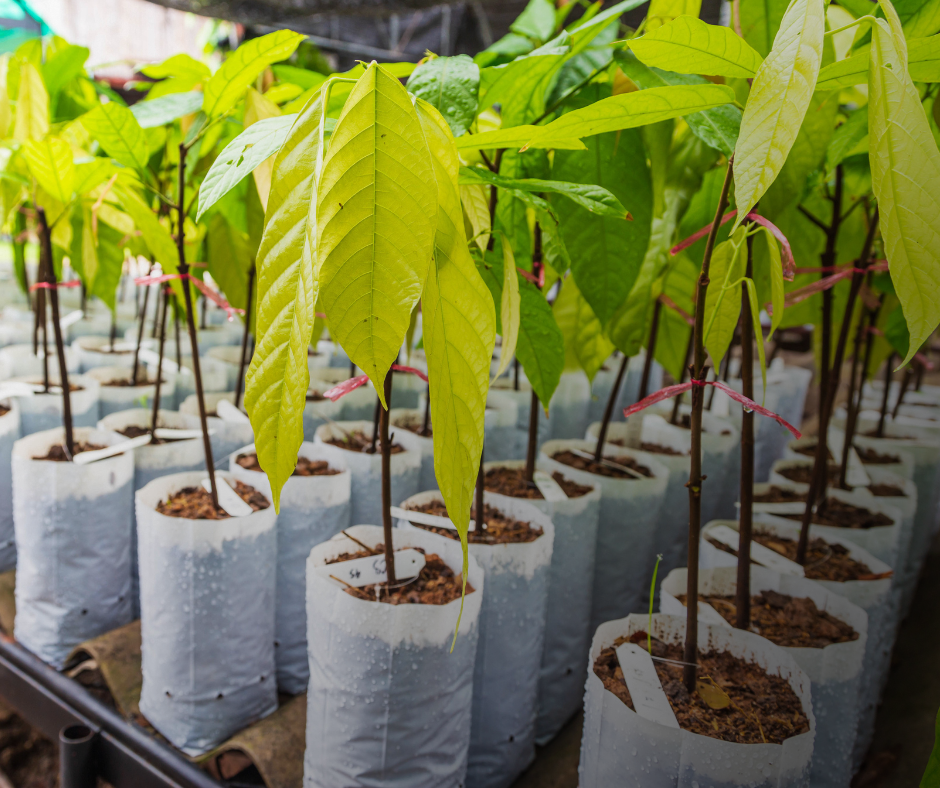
<point>140,328</point>
<point>880,431</point>
<point>154,420</point>
<point>243,356</point>
<point>376,425</point>
<point>746,493</point>
<point>478,505</point>
<point>426,421</point>
<point>609,409</point>
<point>532,446</point>
<point>905,385</point>
<point>674,417</point>
<point>650,351</point>
<point>387,484</point>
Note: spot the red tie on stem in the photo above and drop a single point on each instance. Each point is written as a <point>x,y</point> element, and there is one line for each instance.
<point>352,384</point>
<point>207,291</point>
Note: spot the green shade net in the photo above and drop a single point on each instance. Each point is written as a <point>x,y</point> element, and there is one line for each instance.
<point>18,23</point>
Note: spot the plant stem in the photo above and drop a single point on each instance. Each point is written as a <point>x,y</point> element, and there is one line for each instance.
<point>920,377</point>
<point>191,324</point>
<point>695,472</point>
<point>140,328</point>
<point>44,324</point>
<point>45,239</point>
<point>650,350</point>
<point>156,392</point>
<point>609,410</point>
<point>242,359</point>
<point>515,374</point>
<point>850,404</point>
<point>376,419</point>
<point>426,421</point>
<point>880,432</point>
<point>113,332</point>
<point>202,314</point>
<point>905,385</point>
<point>533,436</point>
<point>387,484</point>
<point>746,494</point>
<point>478,498</point>
<point>176,333</point>
<point>685,364</point>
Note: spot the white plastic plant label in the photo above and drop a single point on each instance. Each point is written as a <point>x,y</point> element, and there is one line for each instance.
<point>371,568</point>
<point>15,388</point>
<point>550,489</point>
<point>759,554</point>
<point>423,518</point>
<point>169,434</point>
<point>87,457</point>
<point>639,673</point>
<point>229,500</point>
<point>71,318</point>
<point>149,356</point>
<point>228,412</point>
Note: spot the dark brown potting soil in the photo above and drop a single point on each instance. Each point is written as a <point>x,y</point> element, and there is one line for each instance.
<point>840,514</point>
<point>809,450</point>
<point>869,456</point>
<point>315,396</point>
<point>802,474</point>
<point>73,387</point>
<point>573,460</point>
<point>57,453</point>
<point>130,383</point>
<point>4,410</point>
<point>500,529</point>
<point>884,490</point>
<point>779,495</point>
<point>788,621</point>
<point>512,482</point>
<point>415,424</point>
<point>436,583</point>
<point>359,441</point>
<point>135,431</point>
<point>305,466</point>
<point>658,448</point>
<point>763,708</point>
<point>874,434</point>
<point>195,503</point>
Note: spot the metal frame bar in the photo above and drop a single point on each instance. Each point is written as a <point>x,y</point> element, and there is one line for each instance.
<point>126,755</point>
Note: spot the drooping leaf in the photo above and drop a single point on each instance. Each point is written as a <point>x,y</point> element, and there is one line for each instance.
<point>278,377</point>
<point>779,98</point>
<point>723,297</point>
<point>155,235</point>
<point>459,330</point>
<point>119,133</point>
<point>475,200</point>
<point>110,265</point>
<point>50,162</point>
<point>165,109</point>
<point>376,215</point>
<point>228,258</point>
<point>688,45</point>
<point>302,77</point>
<point>585,341</point>
<point>760,22</point>
<point>593,198</point>
<point>515,137</point>
<point>229,83</point>
<point>247,151</point>
<point>756,327</point>
<point>32,106</point>
<point>905,171</point>
<point>775,272</point>
<point>509,309</point>
<point>451,85</point>
<point>897,334</point>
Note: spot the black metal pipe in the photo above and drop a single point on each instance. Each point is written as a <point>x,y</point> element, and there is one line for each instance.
<point>77,766</point>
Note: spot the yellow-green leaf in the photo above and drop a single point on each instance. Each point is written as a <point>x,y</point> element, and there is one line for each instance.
<point>779,97</point>
<point>6,113</point>
<point>118,132</point>
<point>475,200</point>
<point>923,65</point>
<point>905,174</point>
<point>32,106</point>
<point>776,280</point>
<point>278,377</point>
<point>723,297</point>
<point>242,67</point>
<point>258,107</point>
<point>509,309</point>
<point>690,46</point>
<point>515,137</point>
<point>758,333</point>
<point>585,341</point>
<point>661,12</point>
<point>376,218</point>
<point>155,235</point>
<point>459,324</point>
<point>50,162</point>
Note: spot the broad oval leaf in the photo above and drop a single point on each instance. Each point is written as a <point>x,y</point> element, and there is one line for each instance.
<point>50,162</point>
<point>229,83</point>
<point>905,173</point>
<point>278,377</point>
<point>32,106</point>
<point>751,290</point>
<point>775,271</point>
<point>451,85</point>
<point>586,344</point>
<point>509,308</point>
<point>248,150</point>
<point>723,297</point>
<point>118,132</point>
<point>155,235</point>
<point>540,347</point>
<point>475,200</point>
<point>165,109</point>
<point>376,217</point>
<point>779,97</point>
<point>923,64</point>
<point>690,46</point>
<point>516,137</point>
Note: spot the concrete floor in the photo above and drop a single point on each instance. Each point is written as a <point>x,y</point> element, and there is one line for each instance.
<point>904,733</point>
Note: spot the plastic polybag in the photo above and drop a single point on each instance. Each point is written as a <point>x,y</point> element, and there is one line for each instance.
<point>9,434</point>
<point>42,411</point>
<point>112,399</point>
<point>226,436</point>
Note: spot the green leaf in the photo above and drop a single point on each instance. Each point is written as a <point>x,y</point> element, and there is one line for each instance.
<point>376,216</point>
<point>723,297</point>
<point>242,67</point>
<point>32,106</point>
<point>182,66</point>
<point>248,150</point>
<point>923,55</point>
<point>919,18</point>
<point>775,271</point>
<point>92,173</point>
<point>166,109</point>
<point>50,162</point>
<point>110,265</point>
<point>118,132</point>
<point>451,85</point>
<point>931,778</point>
<point>661,12</point>
<point>63,66</point>
<point>277,379</point>
<point>475,200</point>
<point>897,334</point>
<point>302,77</point>
<point>630,110</point>
<point>585,341</point>
<point>780,95</point>
<point>690,46</point>
<point>537,20</point>
<point>459,330</point>
<point>591,197</point>
<point>155,235</point>
<point>905,172</point>
<point>758,332</point>
<point>847,136</point>
<point>228,258</point>
<point>509,308</point>
<point>516,137</point>
<point>760,22</point>
<point>923,60</point>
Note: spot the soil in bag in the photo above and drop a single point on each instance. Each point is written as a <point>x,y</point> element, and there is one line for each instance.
<point>779,495</point>
<point>870,456</point>
<point>305,466</point>
<point>359,441</point>
<point>653,448</point>
<point>809,450</point>
<point>840,514</point>
<point>762,708</point>
<point>580,463</point>
<point>4,410</point>
<point>803,474</point>
<point>57,453</point>
<point>788,621</point>
<point>435,584</point>
<point>130,383</point>
<point>195,503</point>
<point>884,490</point>
<point>499,529</point>
<point>73,387</point>
<point>512,483</point>
<point>135,431</point>
<point>824,561</point>
<point>414,424</point>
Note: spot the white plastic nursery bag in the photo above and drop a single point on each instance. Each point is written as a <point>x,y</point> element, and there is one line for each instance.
<point>9,434</point>
<point>43,411</point>
<point>113,399</point>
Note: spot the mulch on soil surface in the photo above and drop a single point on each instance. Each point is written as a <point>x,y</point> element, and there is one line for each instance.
<point>658,448</point>
<point>809,450</point>
<point>57,453</point>
<point>512,482</point>
<point>580,463</point>
<point>135,431</point>
<point>779,495</point>
<point>754,694</point>
<point>131,383</point>
<point>436,584</point>
<point>500,529</point>
<point>869,456</point>
<point>791,622</point>
<point>885,490</point>
<point>359,441</point>
<point>195,503</point>
<point>305,466</point>
<point>803,474</point>
<point>840,514</point>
